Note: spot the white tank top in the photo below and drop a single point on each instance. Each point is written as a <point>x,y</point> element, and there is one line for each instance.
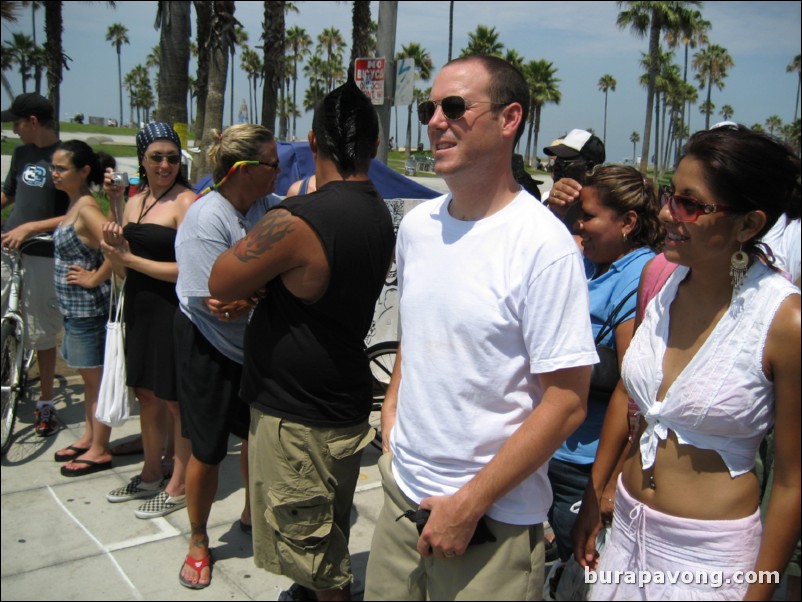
<point>722,400</point>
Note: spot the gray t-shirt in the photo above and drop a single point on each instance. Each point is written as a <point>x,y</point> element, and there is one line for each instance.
<point>30,183</point>
<point>211,226</point>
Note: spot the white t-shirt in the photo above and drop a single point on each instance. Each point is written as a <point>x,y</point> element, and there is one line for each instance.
<point>485,306</point>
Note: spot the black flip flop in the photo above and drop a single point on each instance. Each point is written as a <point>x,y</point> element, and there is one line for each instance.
<point>69,457</point>
<point>91,468</point>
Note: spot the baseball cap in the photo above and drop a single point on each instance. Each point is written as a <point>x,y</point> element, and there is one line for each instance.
<point>27,105</point>
<point>578,143</point>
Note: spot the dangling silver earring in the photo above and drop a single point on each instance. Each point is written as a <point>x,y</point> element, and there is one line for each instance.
<point>624,234</point>
<point>739,263</point>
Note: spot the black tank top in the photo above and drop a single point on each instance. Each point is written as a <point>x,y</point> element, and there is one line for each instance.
<point>306,362</point>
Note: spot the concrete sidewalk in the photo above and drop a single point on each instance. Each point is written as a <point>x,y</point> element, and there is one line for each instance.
<point>62,540</point>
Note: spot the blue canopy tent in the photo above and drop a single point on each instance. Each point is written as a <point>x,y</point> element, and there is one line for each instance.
<point>296,162</point>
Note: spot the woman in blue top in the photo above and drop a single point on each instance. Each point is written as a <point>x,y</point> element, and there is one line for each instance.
<point>619,233</point>
<point>82,290</point>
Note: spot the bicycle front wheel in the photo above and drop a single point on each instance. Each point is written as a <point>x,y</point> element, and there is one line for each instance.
<point>382,361</point>
<point>11,381</point>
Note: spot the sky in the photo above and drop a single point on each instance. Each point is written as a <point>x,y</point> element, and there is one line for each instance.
<point>581,39</point>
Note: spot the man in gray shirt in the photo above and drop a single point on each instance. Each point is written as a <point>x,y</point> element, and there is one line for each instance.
<point>38,208</point>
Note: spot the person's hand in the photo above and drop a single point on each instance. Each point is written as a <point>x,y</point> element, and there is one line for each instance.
<point>113,235</point>
<point>230,310</point>
<point>563,194</point>
<point>78,276</point>
<point>119,254</point>
<point>113,191</point>
<point>448,530</point>
<point>14,238</point>
<point>586,527</point>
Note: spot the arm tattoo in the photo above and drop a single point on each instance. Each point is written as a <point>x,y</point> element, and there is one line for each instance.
<point>271,229</point>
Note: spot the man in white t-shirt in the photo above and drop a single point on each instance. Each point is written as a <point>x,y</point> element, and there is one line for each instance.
<point>494,363</point>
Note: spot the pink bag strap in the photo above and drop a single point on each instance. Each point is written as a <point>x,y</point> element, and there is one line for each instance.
<point>655,277</point>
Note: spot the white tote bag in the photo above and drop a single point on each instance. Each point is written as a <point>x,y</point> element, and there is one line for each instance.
<point>113,402</point>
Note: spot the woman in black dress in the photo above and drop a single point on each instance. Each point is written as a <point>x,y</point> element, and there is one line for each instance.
<point>142,250</point>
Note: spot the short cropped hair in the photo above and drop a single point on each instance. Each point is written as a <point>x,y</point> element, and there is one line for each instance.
<point>507,84</point>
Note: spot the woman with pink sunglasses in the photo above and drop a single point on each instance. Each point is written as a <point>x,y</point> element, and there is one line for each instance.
<point>714,363</point>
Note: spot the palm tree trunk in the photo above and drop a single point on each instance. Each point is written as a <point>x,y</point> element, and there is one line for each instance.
<point>450,27</point>
<point>537,127</point>
<point>604,137</point>
<point>120,80</point>
<point>174,62</point>
<point>203,12</point>
<point>654,48</point>
<point>273,60</point>
<point>54,27</point>
<point>709,106</point>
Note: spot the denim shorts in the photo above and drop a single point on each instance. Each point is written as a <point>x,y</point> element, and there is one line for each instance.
<point>84,343</point>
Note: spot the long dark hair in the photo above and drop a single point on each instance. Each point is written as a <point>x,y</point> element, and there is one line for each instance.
<point>749,171</point>
<point>81,155</point>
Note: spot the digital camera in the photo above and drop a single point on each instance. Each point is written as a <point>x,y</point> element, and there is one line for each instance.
<point>119,178</point>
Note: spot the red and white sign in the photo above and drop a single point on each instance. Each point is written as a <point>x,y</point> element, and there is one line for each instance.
<point>369,76</point>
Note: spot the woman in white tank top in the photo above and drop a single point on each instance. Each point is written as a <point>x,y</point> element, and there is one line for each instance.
<point>713,365</point>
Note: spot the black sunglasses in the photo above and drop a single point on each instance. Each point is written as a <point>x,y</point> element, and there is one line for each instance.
<point>454,107</point>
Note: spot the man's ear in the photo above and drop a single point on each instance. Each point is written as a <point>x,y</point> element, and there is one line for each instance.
<point>312,142</point>
<point>512,115</point>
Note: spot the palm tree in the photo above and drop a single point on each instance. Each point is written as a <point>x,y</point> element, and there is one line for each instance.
<point>173,18</point>
<point>360,32</point>
<point>117,34</point>
<point>692,32</point>
<point>707,108</point>
<point>220,39</point>
<point>606,84</point>
<point>298,44</point>
<point>203,25</point>
<point>712,64</point>
<point>542,89</point>
<point>331,42</point>
<point>634,138</point>
<point>667,80</point>
<point>450,27</point>
<point>315,72</point>
<point>726,112</point>
<point>240,38</point>
<point>38,60</point>
<point>273,37</point>
<point>483,41</point>
<point>19,50</point>
<point>423,71</point>
<point>796,65</point>
<point>251,63</point>
<point>515,59</point>
<point>654,18</point>
<point>34,7</point>
<point>774,123</point>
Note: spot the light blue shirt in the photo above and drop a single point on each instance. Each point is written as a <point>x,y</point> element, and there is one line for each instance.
<point>606,292</point>
<point>211,226</point>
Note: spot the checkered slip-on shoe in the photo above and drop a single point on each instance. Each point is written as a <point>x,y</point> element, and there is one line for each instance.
<point>136,489</point>
<point>161,505</point>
